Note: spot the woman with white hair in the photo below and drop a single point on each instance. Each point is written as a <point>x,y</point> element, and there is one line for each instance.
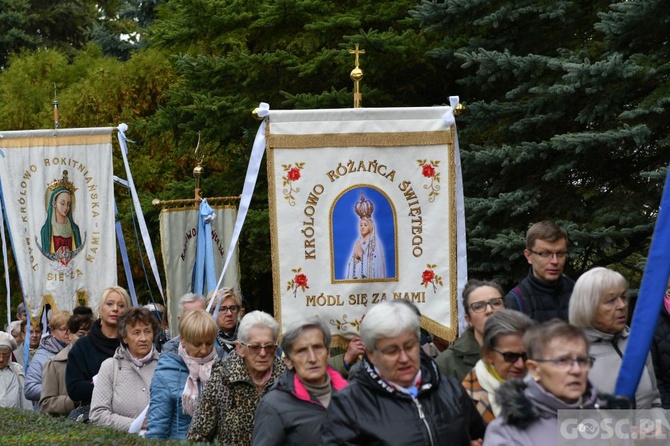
<point>228,402</point>
<point>399,395</point>
<point>599,305</point>
<point>293,411</point>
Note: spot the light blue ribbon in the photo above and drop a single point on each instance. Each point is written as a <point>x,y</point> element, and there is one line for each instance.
<point>124,258</point>
<point>204,275</point>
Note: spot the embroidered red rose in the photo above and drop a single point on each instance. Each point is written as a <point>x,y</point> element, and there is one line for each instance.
<point>300,280</point>
<point>427,277</point>
<point>293,174</point>
<point>428,170</point>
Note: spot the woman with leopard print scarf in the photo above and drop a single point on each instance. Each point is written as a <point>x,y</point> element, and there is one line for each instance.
<point>227,405</point>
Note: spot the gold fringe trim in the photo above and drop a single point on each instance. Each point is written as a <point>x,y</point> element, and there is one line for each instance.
<point>360,140</point>
<point>56,141</point>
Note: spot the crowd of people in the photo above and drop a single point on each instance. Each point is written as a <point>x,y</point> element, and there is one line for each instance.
<point>549,344</point>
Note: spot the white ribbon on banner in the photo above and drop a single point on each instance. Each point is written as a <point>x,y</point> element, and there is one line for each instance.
<point>247,191</point>
<point>138,209</point>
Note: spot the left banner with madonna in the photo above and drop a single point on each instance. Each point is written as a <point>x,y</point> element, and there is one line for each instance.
<point>363,210</point>
<point>57,193</point>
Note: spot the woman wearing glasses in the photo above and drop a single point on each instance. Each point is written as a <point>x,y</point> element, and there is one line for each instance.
<point>292,413</point>
<point>480,299</point>
<point>399,396</point>
<point>599,304</point>
<point>228,318</point>
<point>50,345</point>
<point>503,357</point>
<point>558,366</point>
<point>228,402</point>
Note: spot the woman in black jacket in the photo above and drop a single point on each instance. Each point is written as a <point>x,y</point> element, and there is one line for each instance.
<point>399,396</point>
<point>88,353</point>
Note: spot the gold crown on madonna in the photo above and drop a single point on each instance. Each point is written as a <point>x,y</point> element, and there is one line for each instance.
<point>364,208</point>
<point>63,182</point>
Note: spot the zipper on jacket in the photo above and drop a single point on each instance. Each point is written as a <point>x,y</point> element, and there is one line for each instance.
<point>423,418</point>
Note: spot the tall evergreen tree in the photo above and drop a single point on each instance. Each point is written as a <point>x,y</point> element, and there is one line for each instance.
<point>291,54</point>
<point>562,124</point>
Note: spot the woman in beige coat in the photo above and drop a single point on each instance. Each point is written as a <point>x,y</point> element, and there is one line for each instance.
<point>54,399</point>
<point>121,389</point>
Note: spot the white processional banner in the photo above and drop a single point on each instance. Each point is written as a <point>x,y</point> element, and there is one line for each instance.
<point>363,210</point>
<point>179,231</point>
<point>57,188</point>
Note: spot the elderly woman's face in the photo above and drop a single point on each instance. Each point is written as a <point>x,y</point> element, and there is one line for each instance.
<point>61,334</point>
<point>564,369</point>
<point>309,357</point>
<point>397,358</point>
<point>228,312</point>
<point>259,351</point>
<point>612,311</point>
<point>139,338</point>
<point>491,300</point>
<point>506,359</point>
<point>5,357</point>
<point>198,348</point>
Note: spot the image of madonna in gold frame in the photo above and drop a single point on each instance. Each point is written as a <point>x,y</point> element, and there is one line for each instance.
<point>363,235</point>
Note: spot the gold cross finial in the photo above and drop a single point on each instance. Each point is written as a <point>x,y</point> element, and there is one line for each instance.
<point>356,52</point>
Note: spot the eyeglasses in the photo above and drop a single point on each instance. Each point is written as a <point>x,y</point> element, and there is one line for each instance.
<point>62,329</point>
<point>566,363</point>
<point>549,254</point>
<point>5,355</point>
<point>233,309</point>
<point>255,349</point>
<point>512,357</point>
<point>496,303</point>
<point>393,351</point>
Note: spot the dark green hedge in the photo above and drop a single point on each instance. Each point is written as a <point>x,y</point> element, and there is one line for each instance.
<point>27,428</point>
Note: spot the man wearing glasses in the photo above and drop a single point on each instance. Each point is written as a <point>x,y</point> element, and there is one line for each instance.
<point>545,293</point>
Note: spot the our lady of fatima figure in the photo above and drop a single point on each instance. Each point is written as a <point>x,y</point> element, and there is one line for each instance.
<point>367,259</point>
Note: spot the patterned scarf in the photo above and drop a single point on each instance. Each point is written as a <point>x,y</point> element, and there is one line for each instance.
<point>490,380</point>
<point>199,370</point>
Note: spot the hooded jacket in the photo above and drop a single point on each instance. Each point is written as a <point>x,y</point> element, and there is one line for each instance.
<point>608,350</point>
<point>122,390</point>
<point>167,418</point>
<point>48,348</point>
<point>289,415</point>
<point>370,411</point>
<point>460,357</point>
<point>529,415</point>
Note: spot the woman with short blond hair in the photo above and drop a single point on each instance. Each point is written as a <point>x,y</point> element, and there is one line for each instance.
<point>180,377</point>
<point>50,345</point>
